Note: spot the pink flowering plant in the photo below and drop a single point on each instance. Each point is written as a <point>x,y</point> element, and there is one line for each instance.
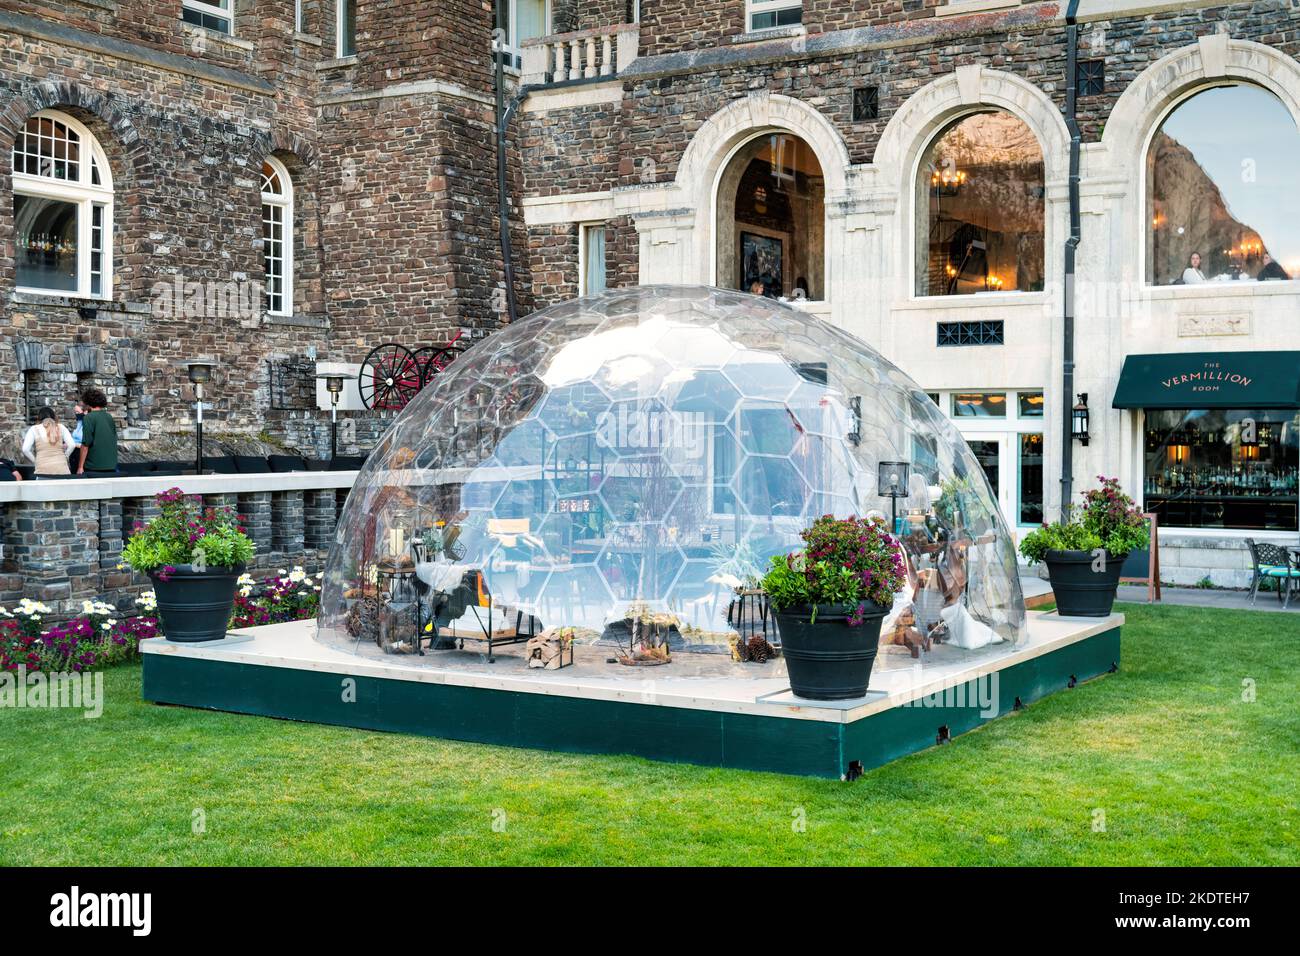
<point>184,532</point>
<point>1109,520</point>
<point>98,637</point>
<point>848,562</point>
<point>289,595</point>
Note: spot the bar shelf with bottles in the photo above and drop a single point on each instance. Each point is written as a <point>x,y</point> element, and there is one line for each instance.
<point>1223,498</point>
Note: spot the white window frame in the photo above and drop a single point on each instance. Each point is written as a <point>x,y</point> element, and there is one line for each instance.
<point>224,9</point>
<point>755,7</point>
<point>583,229</point>
<point>512,48</point>
<point>1007,431</point>
<point>338,29</point>
<point>1144,194</point>
<point>282,200</point>
<point>86,196</point>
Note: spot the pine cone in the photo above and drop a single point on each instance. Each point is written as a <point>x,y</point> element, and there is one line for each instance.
<point>758,649</point>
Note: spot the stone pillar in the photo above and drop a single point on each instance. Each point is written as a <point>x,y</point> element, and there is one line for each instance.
<point>287,522</point>
<point>320,515</point>
<point>255,513</point>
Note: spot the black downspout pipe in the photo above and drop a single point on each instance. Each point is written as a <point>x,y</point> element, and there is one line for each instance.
<point>1071,245</point>
<point>503,116</point>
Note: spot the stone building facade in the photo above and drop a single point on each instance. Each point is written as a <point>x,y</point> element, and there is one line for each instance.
<point>388,149</point>
<point>868,92</point>
<point>634,125</point>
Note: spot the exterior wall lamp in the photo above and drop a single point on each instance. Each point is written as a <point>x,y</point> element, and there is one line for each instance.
<point>1079,420</point>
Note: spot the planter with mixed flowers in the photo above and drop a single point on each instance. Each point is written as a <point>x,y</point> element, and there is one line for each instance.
<point>194,556</point>
<point>1085,553</point>
<point>829,600</point>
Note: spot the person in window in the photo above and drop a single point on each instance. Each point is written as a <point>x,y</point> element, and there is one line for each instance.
<point>1193,274</point>
<point>1271,270</point>
<point>47,444</point>
<point>98,437</point>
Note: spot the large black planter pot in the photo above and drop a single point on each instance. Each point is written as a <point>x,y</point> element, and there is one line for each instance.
<point>828,659</point>
<point>1080,590</point>
<point>196,605</point>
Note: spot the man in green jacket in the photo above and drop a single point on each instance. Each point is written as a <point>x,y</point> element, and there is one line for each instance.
<point>98,437</point>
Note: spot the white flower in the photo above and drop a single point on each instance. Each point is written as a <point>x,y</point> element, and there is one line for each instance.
<point>111,622</point>
<point>87,607</point>
<point>282,572</point>
<point>297,574</point>
<point>106,626</point>
<point>245,591</point>
<point>245,579</point>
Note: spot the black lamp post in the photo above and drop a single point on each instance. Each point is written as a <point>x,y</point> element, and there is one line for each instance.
<point>200,374</point>
<point>1079,420</point>
<point>334,385</point>
<point>891,480</point>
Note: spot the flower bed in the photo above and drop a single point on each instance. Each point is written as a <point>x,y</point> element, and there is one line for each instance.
<point>98,637</point>
<point>103,637</point>
<point>286,596</point>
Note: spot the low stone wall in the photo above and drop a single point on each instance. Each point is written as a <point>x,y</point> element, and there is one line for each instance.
<point>1188,560</point>
<point>62,540</point>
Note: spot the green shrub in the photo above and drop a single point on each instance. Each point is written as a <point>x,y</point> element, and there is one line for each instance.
<point>1109,519</point>
<point>184,532</point>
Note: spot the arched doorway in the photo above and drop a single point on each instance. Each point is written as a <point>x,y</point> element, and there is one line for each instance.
<point>771,215</point>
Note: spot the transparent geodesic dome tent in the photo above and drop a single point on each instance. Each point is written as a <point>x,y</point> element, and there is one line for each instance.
<point>605,481</point>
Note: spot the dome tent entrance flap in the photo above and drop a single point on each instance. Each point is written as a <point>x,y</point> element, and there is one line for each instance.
<point>612,469</point>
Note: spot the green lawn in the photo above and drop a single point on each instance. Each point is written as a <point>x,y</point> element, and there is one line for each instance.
<point>1184,771</point>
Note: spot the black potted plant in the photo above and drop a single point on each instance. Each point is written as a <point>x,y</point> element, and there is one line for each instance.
<point>829,601</point>
<point>1085,552</point>
<point>194,556</point>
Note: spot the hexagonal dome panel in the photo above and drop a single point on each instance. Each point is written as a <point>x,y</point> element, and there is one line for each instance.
<point>646,451</point>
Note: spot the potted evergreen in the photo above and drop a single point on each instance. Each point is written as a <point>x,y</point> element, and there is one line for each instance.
<point>829,601</point>
<point>1085,552</point>
<point>194,556</point>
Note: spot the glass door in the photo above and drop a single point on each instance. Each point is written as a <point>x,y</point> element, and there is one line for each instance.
<point>992,450</point>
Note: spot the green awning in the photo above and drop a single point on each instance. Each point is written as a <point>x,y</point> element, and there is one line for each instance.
<point>1210,380</point>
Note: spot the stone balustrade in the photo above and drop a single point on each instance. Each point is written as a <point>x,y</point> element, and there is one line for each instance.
<point>582,55</point>
<point>62,540</point>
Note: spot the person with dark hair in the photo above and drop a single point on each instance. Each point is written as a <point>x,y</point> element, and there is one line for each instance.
<point>9,471</point>
<point>47,444</point>
<point>98,437</point>
<point>1272,269</point>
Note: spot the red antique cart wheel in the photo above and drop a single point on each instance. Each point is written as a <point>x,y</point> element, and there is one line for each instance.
<point>389,377</point>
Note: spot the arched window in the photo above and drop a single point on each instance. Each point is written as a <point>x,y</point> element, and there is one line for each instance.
<point>277,236</point>
<point>1221,202</point>
<point>63,209</point>
<point>771,213</point>
<point>980,208</point>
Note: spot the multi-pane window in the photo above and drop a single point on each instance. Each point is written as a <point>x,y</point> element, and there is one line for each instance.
<point>277,237</point>
<point>63,209</point>
<point>770,14</point>
<point>345,18</point>
<point>212,14</point>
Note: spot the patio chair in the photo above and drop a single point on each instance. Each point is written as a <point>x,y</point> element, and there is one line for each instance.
<point>1272,561</point>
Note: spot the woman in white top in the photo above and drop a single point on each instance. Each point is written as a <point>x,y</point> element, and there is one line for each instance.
<point>1193,274</point>
<point>47,445</point>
